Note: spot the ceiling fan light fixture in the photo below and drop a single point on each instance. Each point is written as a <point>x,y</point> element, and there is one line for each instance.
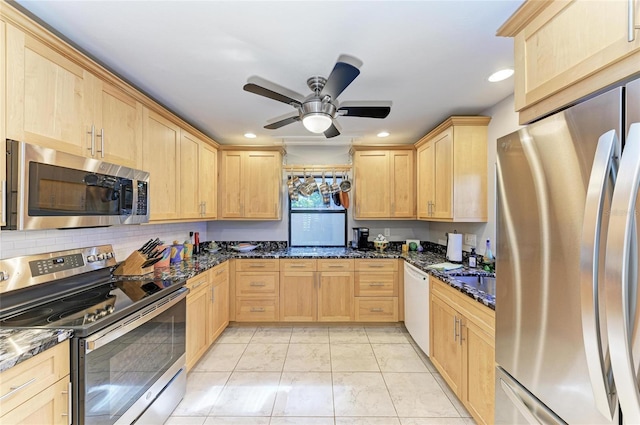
<point>317,122</point>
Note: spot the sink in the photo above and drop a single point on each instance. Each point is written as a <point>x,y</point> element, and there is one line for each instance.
<point>485,284</point>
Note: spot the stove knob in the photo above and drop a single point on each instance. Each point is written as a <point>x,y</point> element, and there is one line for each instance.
<point>108,254</point>
<point>3,275</point>
<point>91,317</point>
<point>91,258</point>
<point>110,309</point>
<point>101,257</point>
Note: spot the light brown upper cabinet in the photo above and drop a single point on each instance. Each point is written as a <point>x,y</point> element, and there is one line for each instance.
<point>384,183</point>
<point>452,171</point>
<point>565,50</point>
<point>198,178</point>
<point>249,185</point>
<point>161,158</point>
<point>3,136</point>
<point>54,102</point>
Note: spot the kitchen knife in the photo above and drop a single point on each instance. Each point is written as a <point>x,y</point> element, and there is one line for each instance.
<point>145,246</point>
<point>151,262</point>
<point>152,246</point>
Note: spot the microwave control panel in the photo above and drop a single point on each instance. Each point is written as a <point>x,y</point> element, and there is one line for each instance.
<point>142,198</point>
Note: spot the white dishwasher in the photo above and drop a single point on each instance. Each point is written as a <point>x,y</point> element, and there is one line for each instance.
<point>416,305</point>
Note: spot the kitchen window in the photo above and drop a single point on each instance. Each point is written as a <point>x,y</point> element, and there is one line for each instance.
<point>312,222</point>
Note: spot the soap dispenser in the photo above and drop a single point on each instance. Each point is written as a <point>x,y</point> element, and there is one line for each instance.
<point>473,260</point>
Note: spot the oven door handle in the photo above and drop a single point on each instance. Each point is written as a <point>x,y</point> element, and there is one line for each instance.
<point>131,322</point>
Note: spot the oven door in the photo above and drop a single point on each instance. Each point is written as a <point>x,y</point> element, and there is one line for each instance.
<point>124,368</point>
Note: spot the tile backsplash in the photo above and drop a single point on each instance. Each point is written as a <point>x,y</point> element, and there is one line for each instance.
<point>124,239</point>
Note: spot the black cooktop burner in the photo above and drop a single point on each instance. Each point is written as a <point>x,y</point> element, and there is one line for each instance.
<point>92,307</point>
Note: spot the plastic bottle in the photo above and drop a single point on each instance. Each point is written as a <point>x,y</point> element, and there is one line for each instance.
<point>472,259</point>
<point>488,255</point>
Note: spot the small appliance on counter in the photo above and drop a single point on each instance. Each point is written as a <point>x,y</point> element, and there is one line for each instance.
<point>360,239</point>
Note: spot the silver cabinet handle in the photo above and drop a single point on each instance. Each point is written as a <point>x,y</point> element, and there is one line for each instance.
<point>335,267</point>
<point>204,208</point>
<point>621,277</point>
<point>631,32</point>
<point>598,363</point>
<point>3,218</point>
<point>14,390</point>
<point>199,284</point>
<point>68,393</point>
<point>257,284</point>
<point>257,309</point>
<point>455,328</point>
<point>460,325</point>
<point>101,136</point>
<point>92,149</point>
<point>376,310</point>
<point>376,284</point>
<point>297,266</point>
<point>219,272</point>
<point>376,266</point>
<point>257,266</point>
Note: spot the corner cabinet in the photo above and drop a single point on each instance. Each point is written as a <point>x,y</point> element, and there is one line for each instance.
<point>384,183</point>
<point>452,171</point>
<point>566,50</point>
<point>36,391</point>
<point>465,357</point>
<point>250,184</point>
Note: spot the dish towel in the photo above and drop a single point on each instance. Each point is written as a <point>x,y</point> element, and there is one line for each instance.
<point>445,266</point>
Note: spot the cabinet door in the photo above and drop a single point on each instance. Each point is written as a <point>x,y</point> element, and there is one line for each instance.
<point>3,136</point>
<point>372,197</point>
<point>298,296</point>
<point>47,100</point>
<point>402,184</point>
<point>446,352</point>
<point>219,306</point>
<point>50,406</point>
<point>425,178</point>
<point>196,339</point>
<point>479,372</point>
<point>117,118</point>
<point>262,179</point>
<point>443,175</point>
<point>208,181</point>
<point>230,189</point>
<point>189,172</point>
<point>335,297</point>
<point>161,158</point>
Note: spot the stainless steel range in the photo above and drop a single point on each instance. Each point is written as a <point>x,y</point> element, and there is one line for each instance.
<point>128,349</point>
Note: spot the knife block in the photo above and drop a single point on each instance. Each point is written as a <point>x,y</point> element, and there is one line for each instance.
<point>132,266</point>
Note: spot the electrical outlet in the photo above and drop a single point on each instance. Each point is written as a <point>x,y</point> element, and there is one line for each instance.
<point>470,239</point>
<point>387,231</point>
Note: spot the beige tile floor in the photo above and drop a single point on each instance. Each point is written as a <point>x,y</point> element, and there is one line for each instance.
<point>317,375</point>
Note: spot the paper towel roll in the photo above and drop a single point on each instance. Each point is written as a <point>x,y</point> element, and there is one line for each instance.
<point>454,247</point>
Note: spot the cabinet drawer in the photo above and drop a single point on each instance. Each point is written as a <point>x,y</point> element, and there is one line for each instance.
<point>257,310</point>
<point>257,284</point>
<point>379,309</point>
<point>268,265</point>
<point>198,283</point>
<point>298,265</point>
<point>383,284</point>
<point>220,273</point>
<point>377,265</point>
<point>28,378</point>
<point>335,265</point>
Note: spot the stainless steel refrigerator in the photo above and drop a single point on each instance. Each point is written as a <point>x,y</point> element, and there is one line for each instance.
<point>567,310</point>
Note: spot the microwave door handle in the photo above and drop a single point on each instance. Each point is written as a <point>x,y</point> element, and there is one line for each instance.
<point>621,277</point>
<point>598,361</point>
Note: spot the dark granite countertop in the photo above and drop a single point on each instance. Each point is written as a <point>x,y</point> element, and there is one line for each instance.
<point>18,345</point>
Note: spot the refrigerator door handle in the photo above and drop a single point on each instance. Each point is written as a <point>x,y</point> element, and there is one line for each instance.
<point>621,277</point>
<point>598,361</point>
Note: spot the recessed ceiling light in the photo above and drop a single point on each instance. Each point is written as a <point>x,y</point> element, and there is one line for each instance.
<point>249,135</point>
<point>383,134</point>
<point>503,74</point>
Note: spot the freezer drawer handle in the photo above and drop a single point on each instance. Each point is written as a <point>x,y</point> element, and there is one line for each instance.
<point>604,169</point>
<point>519,404</point>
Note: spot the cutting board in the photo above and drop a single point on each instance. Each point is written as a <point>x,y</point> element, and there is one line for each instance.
<point>445,266</point>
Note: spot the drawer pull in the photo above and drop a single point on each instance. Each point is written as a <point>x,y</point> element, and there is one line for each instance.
<point>257,266</point>
<point>376,310</point>
<point>297,266</point>
<point>199,284</point>
<point>257,309</point>
<point>18,388</point>
<point>376,266</point>
<point>376,284</point>
<point>219,272</point>
<point>336,267</point>
<point>257,284</point>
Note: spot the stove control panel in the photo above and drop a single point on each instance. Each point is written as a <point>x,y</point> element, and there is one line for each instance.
<point>56,264</point>
<point>99,257</point>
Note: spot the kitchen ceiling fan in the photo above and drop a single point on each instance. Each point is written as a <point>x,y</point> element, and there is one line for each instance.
<point>319,110</point>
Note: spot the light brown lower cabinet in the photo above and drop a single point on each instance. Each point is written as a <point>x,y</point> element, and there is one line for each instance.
<point>36,391</point>
<point>462,342</point>
<point>207,310</point>
<point>316,290</point>
<point>257,284</point>
<point>376,290</point>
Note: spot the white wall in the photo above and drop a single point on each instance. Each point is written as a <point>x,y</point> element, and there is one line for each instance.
<point>125,239</point>
<point>504,120</point>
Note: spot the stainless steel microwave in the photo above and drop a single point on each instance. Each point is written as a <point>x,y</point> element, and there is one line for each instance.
<point>47,189</point>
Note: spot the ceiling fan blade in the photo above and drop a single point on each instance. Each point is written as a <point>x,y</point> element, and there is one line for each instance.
<point>273,91</point>
<point>365,109</point>
<point>282,121</point>
<point>344,72</point>
<point>332,131</point>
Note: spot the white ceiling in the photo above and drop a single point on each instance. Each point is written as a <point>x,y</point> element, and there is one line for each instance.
<point>430,58</point>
